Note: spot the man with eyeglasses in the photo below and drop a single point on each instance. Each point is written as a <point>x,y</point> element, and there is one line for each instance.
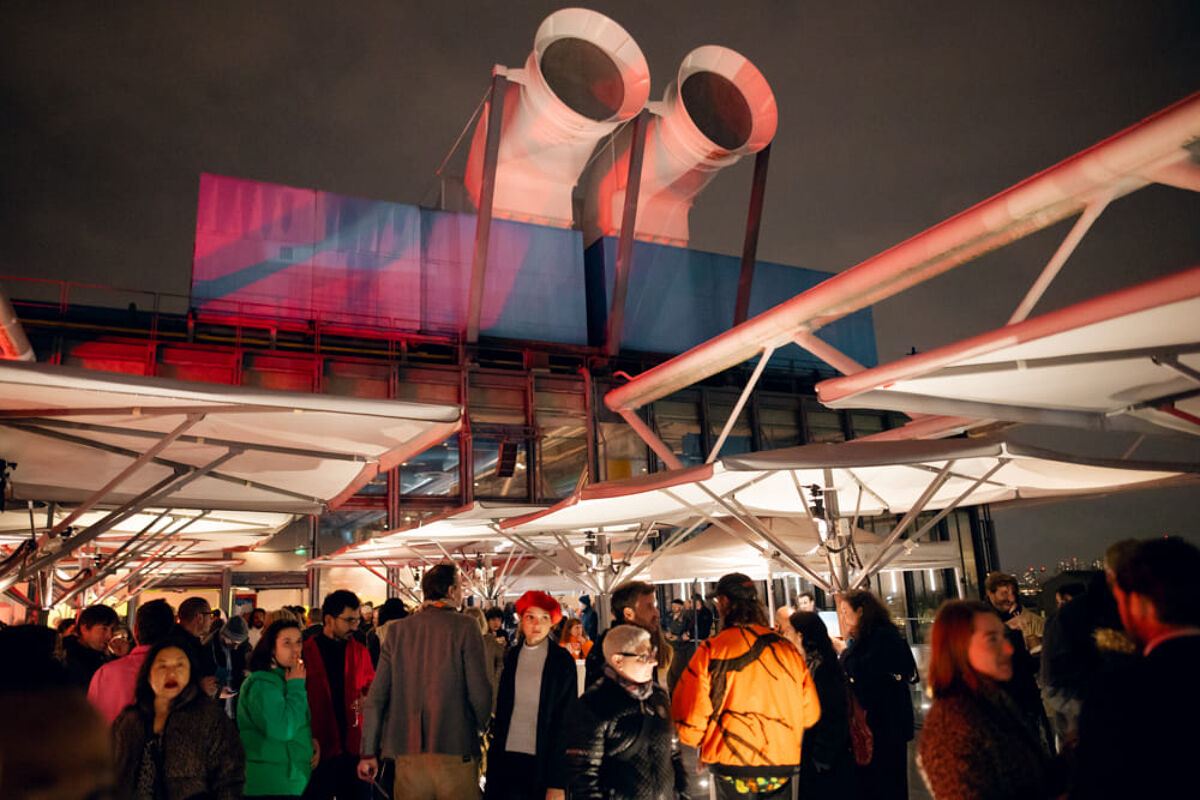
<point>339,676</point>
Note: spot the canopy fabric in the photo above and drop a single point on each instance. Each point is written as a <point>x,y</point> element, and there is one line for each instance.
<point>212,532</point>
<point>873,478</point>
<point>469,528</point>
<point>714,552</point>
<point>72,431</point>
<point>1128,360</point>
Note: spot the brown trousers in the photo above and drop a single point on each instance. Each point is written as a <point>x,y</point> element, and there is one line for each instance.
<point>436,776</point>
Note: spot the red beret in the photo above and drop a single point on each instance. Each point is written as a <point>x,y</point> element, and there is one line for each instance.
<point>540,600</point>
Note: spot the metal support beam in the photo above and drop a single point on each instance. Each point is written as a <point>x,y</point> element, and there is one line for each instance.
<point>675,538</point>
<point>906,522</point>
<point>827,352</point>
<point>581,578</point>
<point>1082,225</point>
<point>163,462</point>
<point>225,597</point>
<point>487,192</point>
<point>649,437</point>
<point>633,185</point>
<point>880,561</point>
<point>783,552</point>
<point>758,190</point>
<point>139,462</point>
<point>741,403</point>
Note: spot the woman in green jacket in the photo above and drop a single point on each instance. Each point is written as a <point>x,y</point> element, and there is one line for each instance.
<point>273,717</point>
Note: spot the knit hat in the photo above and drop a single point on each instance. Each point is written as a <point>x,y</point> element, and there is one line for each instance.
<point>235,630</point>
<point>533,599</point>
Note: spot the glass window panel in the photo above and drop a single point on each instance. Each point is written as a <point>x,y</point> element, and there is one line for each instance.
<point>432,472</point>
<point>866,423</point>
<point>824,425</point>
<point>678,424</point>
<point>780,427</point>
<point>493,478</point>
<point>739,439</point>
<point>563,454</point>
<point>622,452</point>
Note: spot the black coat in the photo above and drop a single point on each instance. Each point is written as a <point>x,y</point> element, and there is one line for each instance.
<point>559,691</point>
<point>1137,729</point>
<point>826,760</point>
<point>880,668</point>
<point>622,748</point>
<point>202,752</point>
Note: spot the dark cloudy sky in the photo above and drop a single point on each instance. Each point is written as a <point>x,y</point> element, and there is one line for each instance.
<point>893,116</point>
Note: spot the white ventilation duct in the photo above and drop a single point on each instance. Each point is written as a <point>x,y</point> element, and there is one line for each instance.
<point>718,109</point>
<point>585,76</point>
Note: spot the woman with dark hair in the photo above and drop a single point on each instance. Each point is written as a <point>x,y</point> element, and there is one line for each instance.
<point>827,763</point>
<point>526,760</point>
<point>273,715</point>
<point>174,742</point>
<point>975,743</point>
<point>880,668</point>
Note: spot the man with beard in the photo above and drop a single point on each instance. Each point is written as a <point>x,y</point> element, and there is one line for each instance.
<point>1022,627</point>
<point>1133,732</point>
<point>633,602</point>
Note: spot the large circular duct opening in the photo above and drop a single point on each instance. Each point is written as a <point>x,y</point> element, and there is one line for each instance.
<point>718,108</point>
<point>583,77</point>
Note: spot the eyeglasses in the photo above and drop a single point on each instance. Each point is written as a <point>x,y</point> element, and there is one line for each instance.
<point>350,620</point>
<point>645,658</point>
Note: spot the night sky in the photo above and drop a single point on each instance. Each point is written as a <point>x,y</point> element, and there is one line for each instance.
<point>893,116</point>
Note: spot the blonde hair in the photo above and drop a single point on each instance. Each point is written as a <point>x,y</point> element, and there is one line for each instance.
<point>476,613</point>
<point>282,614</point>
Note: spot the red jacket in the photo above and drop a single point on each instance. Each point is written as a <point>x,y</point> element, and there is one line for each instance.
<point>359,674</point>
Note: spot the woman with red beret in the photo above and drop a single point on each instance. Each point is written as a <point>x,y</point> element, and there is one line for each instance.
<point>526,760</point>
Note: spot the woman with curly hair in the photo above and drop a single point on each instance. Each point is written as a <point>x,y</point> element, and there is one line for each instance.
<point>880,668</point>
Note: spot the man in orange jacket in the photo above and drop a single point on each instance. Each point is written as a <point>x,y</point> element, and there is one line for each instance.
<point>745,699</point>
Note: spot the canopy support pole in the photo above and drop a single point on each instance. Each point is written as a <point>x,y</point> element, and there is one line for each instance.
<point>795,562</point>
<point>580,578</point>
<point>675,538</point>
<point>938,481</point>
<point>880,561</point>
<point>141,461</point>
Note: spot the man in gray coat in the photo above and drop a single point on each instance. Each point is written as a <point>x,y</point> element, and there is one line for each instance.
<point>431,698</point>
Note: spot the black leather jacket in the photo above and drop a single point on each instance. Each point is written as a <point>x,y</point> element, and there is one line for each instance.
<point>620,747</point>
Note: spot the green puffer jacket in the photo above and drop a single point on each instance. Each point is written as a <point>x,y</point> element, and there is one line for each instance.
<point>273,718</point>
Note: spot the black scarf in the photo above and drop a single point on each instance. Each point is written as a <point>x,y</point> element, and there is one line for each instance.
<point>639,691</point>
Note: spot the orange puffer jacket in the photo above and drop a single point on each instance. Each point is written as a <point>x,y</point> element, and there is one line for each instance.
<point>745,699</point>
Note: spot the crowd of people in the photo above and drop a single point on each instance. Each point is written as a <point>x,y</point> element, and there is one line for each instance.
<point>351,702</point>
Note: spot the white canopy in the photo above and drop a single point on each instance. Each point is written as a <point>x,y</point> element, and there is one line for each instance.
<point>759,507</point>
<point>206,532</point>
<point>1129,360</point>
<point>873,477</point>
<point>72,431</point>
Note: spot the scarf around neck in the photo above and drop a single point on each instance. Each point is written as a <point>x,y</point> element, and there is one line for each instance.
<point>639,691</point>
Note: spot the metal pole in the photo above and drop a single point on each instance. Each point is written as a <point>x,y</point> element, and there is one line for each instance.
<point>633,185</point>
<point>750,247</point>
<point>487,191</point>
